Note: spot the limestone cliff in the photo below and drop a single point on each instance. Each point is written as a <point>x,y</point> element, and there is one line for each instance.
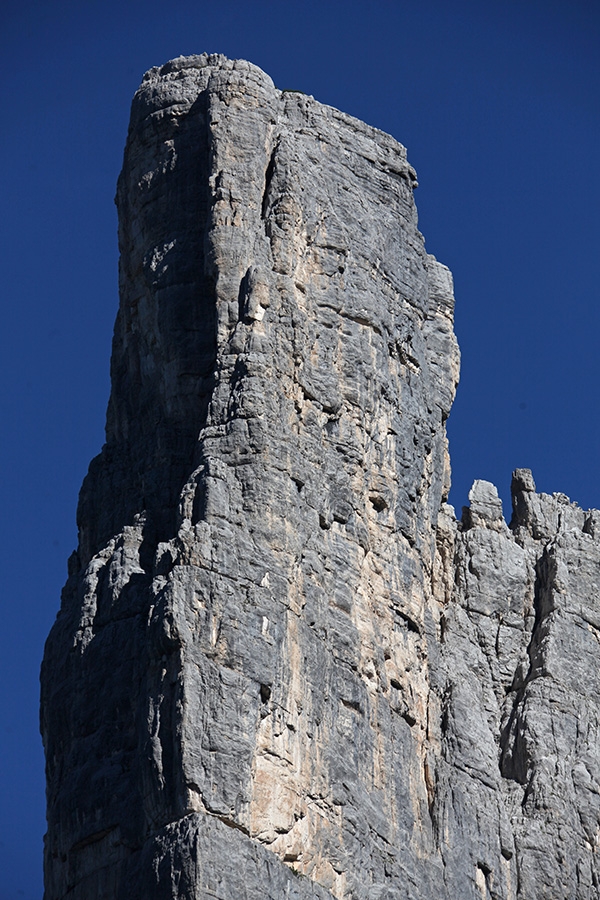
<point>282,669</point>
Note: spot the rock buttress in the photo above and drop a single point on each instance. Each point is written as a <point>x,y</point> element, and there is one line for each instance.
<point>517,803</point>
<point>278,669</point>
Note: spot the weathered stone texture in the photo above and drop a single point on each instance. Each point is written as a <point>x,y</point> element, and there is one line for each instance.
<point>282,669</point>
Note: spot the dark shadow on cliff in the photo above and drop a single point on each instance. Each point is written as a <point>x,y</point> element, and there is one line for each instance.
<point>162,373</point>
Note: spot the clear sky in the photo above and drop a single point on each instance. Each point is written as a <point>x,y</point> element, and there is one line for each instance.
<point>498,104</point>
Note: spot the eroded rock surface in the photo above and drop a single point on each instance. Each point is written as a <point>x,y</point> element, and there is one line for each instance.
<point>282,669</point>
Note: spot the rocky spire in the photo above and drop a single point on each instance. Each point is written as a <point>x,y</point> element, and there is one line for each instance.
<point>282,669</point>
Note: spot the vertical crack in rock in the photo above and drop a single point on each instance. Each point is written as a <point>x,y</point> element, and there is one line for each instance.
<point>281,666</point>
<point>268,179</point>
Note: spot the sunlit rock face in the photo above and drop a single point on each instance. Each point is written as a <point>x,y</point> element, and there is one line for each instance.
<point>282,668</point>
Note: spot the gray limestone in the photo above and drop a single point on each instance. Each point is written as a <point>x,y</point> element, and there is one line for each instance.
<point>282,668</point>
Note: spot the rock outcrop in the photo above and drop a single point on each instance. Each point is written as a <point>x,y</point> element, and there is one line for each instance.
<point>282,668</point>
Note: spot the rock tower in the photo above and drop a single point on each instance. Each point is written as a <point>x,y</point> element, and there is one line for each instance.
<point>282,669</point>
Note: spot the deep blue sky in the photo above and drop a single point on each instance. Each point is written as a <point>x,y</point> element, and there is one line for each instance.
<point>498,104</point>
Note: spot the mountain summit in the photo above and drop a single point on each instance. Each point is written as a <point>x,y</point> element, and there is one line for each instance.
<point>282,668</point>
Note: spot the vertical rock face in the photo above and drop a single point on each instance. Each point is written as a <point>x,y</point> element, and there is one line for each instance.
<point>517,802</point>
<point>281,667</point>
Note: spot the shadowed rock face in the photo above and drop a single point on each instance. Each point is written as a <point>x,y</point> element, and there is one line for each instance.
<point>282,669</point>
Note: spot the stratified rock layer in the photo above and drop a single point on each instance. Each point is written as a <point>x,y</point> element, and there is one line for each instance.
<point>281,668</point>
